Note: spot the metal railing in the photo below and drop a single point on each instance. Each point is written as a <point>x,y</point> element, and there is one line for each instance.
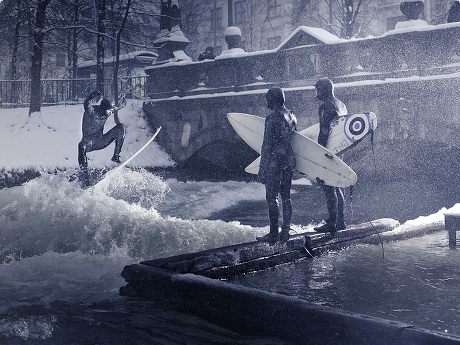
<point>16,93</point>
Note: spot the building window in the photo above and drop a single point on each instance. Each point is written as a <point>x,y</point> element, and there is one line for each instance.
<point>274,8</point>
<point>60,60</point>
<point>216,18</point>
<point>239,12</point>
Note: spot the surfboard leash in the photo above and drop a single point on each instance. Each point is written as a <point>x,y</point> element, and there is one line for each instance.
<point>375,167</point>
<point>367,215</point>
<point>304,246</point>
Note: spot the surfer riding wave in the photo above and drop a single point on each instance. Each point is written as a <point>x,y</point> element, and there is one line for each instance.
<point>94,119</point>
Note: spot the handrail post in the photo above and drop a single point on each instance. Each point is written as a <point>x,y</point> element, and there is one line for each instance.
<point>452,224</point>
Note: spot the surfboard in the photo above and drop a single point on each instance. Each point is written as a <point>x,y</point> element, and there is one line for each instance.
<point>345,132</point>
<point>129,159</point>
<point>317,163</point>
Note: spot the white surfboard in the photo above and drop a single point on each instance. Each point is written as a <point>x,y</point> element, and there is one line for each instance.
<point>313,160</point>
<point>138,151</point>
<point>129,159</point>
<point>345,132</point>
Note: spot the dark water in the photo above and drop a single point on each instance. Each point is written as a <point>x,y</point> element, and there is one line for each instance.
<point>115,321</point>
<point>63,248</point>
<point>400,199</point>
<point>416,282</point>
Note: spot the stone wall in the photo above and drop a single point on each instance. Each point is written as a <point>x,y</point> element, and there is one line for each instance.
<point>409,79</point>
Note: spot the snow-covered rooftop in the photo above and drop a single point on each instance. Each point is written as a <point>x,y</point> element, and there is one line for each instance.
<point>306,35</point>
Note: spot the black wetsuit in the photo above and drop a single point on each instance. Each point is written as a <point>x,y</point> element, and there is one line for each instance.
<point>328,111</point>
<point>94,119</point>
<point>277,164</point>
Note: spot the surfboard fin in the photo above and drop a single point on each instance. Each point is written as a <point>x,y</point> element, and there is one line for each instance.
<point>319,181</point>
<point>253,168</point>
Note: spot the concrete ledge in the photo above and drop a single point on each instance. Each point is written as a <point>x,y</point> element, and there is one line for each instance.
<point>404,232</point>
<point>229,261</point>
<point>357,233</point>
<point>260,313</point>
<point>184,282</point>
<point>452,223</point>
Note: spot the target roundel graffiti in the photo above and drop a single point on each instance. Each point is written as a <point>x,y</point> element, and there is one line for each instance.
<point>356,126</point>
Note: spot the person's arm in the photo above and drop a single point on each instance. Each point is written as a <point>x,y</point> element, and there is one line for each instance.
<point>266,149</point>
<point>327,113</point>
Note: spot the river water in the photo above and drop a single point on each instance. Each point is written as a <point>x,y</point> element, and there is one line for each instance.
<point>62,249</point>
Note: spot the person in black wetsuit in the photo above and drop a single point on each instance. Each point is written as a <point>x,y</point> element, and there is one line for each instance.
<point>277,164</point>
<point>329,109</point>
<point>94,119</point>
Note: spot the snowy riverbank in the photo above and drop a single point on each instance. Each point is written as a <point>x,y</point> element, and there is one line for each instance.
<point>49,140</point>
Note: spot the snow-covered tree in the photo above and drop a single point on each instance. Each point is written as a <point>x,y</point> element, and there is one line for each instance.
<point>344,18</point>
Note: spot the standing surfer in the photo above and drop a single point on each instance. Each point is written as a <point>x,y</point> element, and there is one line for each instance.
<point>277,164</point>
<point>94,119</point>
<point>330,109</point>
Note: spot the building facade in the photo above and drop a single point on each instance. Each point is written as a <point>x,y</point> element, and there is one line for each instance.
<point>266,23</point>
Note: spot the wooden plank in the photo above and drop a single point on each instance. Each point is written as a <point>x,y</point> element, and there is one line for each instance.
<point>227,256</point>
<point>352,233</point>
<point>248,257</point>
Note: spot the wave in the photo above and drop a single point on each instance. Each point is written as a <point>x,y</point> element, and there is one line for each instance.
<point>53,213</point>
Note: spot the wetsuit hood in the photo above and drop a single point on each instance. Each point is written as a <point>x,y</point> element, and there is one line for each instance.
<point>275,97</point>
<point>324,88</point>
<point>106,104</point>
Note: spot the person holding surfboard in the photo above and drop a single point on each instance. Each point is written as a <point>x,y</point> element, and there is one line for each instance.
<point>277,164</point>
<point>94,119</point>
<point>330,109</point>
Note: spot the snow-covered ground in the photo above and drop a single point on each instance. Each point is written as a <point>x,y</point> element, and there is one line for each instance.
<point>49,140</point>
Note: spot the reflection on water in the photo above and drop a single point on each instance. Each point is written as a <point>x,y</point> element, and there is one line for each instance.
<point>417,282</point>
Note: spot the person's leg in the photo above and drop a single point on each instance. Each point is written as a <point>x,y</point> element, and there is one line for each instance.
<point>119,133</point>
<point>271,195</point>
<point>285,192</point>
<point>272,186</point>
<point>331,203</point>
<point>82,149</point>
<point>116,134</point>
<point>340,209</point>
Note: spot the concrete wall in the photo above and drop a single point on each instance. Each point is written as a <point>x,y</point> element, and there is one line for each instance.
<point>260,313</point>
